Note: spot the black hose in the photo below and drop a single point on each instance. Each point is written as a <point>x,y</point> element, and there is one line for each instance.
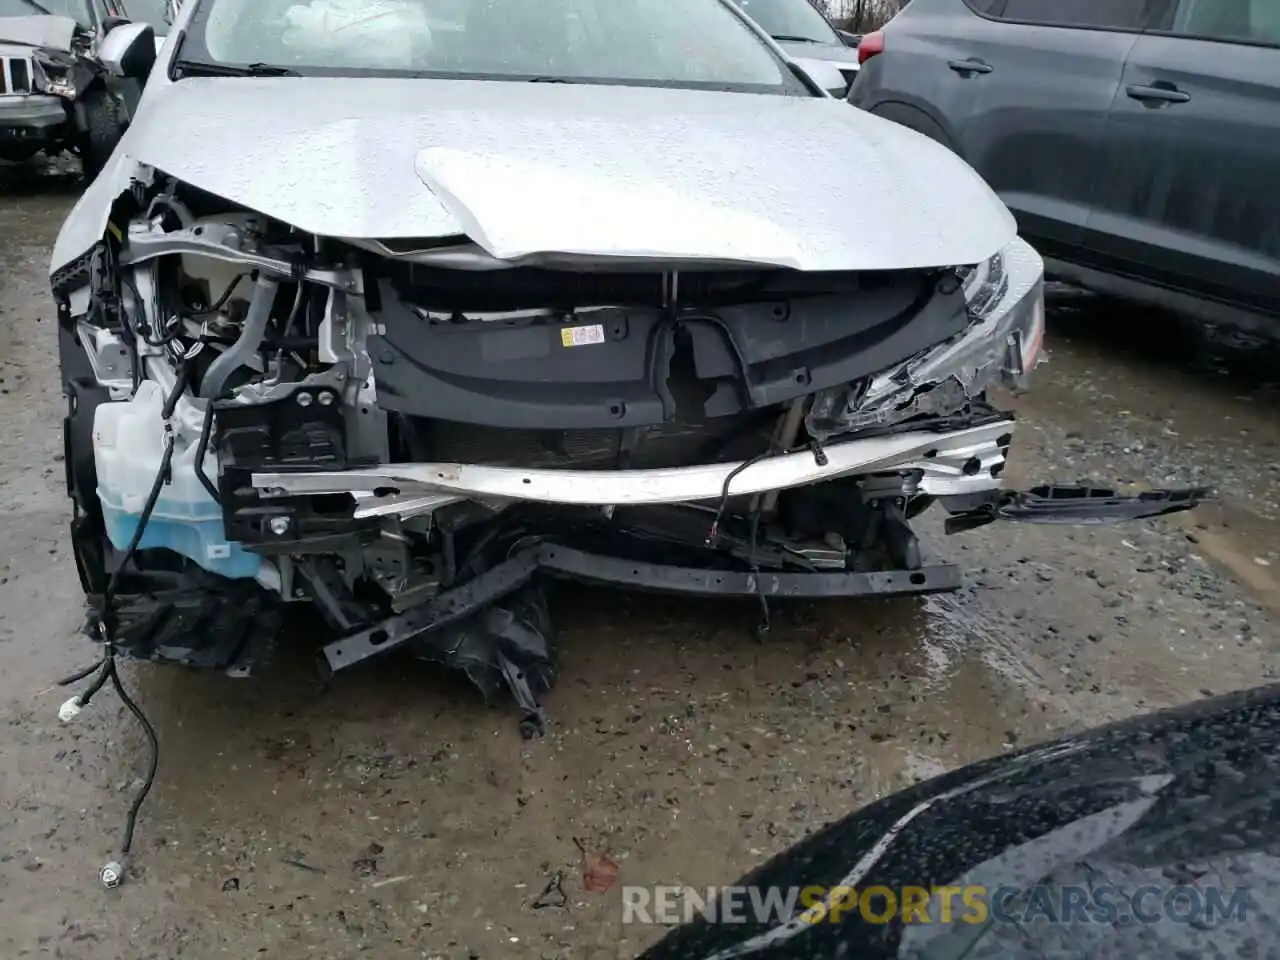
<point>724,490</point>
<point>180,382</point>
<point>226,295</point>
<point>108,670</point>
<point>206,429</point>
<point>81,674</point>
<point>153,497</point>
<point>765,619</point>
<point>108,664</point>
<point>166,460</point>
<point>153,763</point>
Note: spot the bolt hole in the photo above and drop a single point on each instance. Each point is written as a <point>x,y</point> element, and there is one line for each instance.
<point>378,637</point>
<point>918,579</point>
<point>972,466</point>
<point>526,480</point>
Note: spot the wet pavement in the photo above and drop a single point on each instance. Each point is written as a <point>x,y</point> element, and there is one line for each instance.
<point>392,814</point>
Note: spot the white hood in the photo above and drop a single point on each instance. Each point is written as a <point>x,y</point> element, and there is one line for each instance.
<point>525,168</point>
<point>39,31</point>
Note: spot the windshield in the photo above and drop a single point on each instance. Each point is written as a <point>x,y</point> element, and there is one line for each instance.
<point>691,43</point>
<point>790,20</point>
<point>148,11</point>
<point>77,10</point>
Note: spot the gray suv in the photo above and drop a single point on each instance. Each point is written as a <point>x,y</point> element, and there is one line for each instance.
<point>1136,141</point>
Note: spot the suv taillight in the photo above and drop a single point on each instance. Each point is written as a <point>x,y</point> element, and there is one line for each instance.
<point>871,44</point>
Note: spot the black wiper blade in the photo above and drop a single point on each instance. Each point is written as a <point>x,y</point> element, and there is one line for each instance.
<point>40,7</point>
<point>788,39</point>
<point>202,68</point>
<point>548,80</point>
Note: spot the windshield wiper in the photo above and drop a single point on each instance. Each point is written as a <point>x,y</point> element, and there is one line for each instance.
<point>201,68</point>
<point>787,39</point>
<point>39,6</point>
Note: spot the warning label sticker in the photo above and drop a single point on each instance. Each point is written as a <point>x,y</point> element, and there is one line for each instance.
<point>581,336</point>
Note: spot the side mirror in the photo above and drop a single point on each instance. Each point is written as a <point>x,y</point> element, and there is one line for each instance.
<point>129,50</point>
<point>850,39</point>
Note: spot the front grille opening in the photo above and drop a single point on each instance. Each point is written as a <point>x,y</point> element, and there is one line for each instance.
<point>20,76</point>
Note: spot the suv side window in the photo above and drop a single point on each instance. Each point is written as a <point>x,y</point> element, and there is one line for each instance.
<point>1126,15</point>
<point>1248,21</point>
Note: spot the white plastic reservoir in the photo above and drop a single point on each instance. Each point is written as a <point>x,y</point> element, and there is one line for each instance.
<point>128,445</point>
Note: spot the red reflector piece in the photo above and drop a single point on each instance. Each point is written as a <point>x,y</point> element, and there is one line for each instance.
<point>871,44</point>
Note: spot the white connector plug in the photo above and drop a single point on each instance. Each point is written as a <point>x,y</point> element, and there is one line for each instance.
<point>68,711</point>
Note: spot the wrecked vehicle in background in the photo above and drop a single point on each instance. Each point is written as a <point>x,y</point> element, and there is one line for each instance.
<point>457,313</point>
<point>55,94</point>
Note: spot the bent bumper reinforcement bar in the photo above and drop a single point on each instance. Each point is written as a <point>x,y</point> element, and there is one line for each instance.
<point>507,577</point>
<point>950,462</point>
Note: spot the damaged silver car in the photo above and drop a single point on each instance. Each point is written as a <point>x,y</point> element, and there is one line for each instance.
<point>390,317</point>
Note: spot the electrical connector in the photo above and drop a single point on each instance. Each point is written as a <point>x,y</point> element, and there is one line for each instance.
<point>68,711</point>
<point>111,875</point>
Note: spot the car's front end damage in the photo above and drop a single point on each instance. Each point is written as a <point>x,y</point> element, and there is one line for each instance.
<point>282,400</point>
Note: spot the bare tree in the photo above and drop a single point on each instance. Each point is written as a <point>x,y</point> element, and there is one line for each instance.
<point>859,16</point>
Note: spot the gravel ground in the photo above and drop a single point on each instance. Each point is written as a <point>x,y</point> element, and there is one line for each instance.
<point>395,815</point>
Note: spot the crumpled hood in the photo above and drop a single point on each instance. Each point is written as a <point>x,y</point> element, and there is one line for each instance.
<point>527,168</point>
<point>52,32</point>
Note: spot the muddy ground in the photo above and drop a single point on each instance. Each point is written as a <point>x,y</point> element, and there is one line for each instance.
<point>393,814</point>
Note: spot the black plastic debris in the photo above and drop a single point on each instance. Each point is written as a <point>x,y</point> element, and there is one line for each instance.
<point>504,646</point>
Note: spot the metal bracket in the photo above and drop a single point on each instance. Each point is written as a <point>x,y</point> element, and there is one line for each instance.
<point>1080,505</point>
<point>507,577</point>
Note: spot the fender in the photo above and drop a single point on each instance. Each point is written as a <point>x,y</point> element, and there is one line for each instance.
<point>916,118</point>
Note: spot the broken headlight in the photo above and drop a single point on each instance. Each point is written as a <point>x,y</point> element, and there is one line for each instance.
<point>1002,344</point>
<point>54,73</point>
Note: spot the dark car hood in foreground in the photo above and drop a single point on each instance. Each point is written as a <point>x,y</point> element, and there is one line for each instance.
<point>1178,804</point>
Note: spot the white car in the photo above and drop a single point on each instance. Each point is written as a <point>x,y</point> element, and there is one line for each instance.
<point>392,322</point>
<point>809,37</point>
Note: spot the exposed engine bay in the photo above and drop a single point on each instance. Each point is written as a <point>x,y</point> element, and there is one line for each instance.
<point>404,436</point>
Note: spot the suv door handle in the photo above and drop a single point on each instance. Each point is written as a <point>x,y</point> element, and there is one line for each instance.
<point>969,67</point>
<point>1157,93</point>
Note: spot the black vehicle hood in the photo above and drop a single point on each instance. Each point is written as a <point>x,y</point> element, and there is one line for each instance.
<point>1184,799</point>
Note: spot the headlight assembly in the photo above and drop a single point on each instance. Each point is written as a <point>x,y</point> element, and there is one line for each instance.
<point>1002,344</point>
<point>54,74</point>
